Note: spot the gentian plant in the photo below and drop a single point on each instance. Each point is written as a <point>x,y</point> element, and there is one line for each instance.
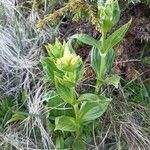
<point>103,53</point>
<point>71,114</point>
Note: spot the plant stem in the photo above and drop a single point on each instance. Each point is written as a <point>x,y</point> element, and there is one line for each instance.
<point>102,40</point>
<point>102,66</point>
<point>100,79</point>
<point>97,87</point>
<point>76,110</point>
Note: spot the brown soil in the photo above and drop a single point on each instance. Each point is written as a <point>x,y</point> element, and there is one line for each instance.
<point>136,42</point>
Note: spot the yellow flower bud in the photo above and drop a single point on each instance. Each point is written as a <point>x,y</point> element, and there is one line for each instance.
<point>68,62</point>
<point>109,13</point>
<point>56,50</point>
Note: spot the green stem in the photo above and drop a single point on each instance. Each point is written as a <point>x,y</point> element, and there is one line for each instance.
<point>76,110</point>
<point>102,65</point>
<point>100,79</point>
<point>97,87</point>
<point>102,40</point>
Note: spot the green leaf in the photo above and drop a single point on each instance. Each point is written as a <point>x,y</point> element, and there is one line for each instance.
<point>109,14</point>
<point>21,113</point>
<point>87,132</point>
<point>113,80</point>
<point>79,144</point>
<point>96,61</point>
<point>65,123</point>
<point>49,68</point>
<point>116,12</point>
<point>53,99</point>
<point>69,141</point>
<point>50,126</point>
<point>116,37</point>
<point>101,67</point>
<point>55,50</point>
<point>89,97</point>
<point>93,108</point>
<point>65,92</point>
<point>54,103</point>
<point>86,39</point>
<point>80,72</point>
<point>15,118</point>
<point>68,47</point>
<point>7,106</point>
<point>59,142</point>
<point>110,59</point>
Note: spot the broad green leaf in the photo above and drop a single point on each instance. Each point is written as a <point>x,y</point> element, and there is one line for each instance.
<point>110,59</point>
<point>91,110</point>
<point>55,104</point>
<point>113,80</point>
<point>68,83</point>
<point>65,92</point>
<point>96,61</point>
<point>89,97</point>
<point>86,39</point>
<point>79,144</point>
<point>49,68</point>
<point>68,80</point>
<point>115,37</point>
<point>65,123</point>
